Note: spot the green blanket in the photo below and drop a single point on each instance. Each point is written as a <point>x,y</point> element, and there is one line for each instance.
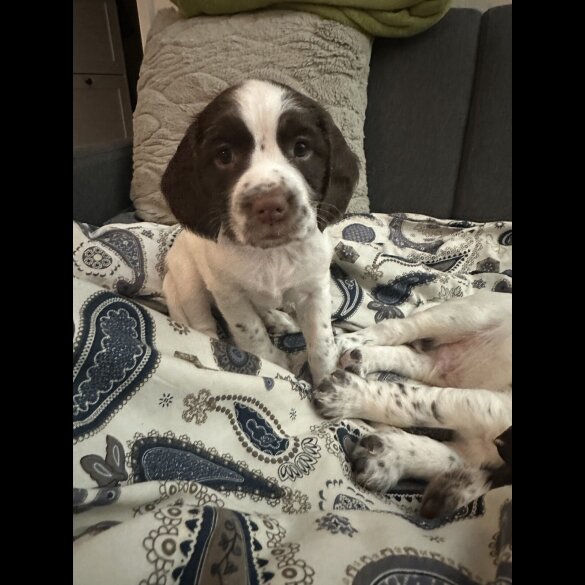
<point>380,18</point>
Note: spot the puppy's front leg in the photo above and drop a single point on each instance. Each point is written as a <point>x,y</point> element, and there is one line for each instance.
<point>246,327</point>
<point>314,314</point>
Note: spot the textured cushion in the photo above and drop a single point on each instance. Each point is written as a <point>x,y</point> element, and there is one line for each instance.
<point>189,61</point>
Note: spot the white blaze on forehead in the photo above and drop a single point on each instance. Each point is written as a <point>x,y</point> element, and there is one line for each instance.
<point>261,104</point>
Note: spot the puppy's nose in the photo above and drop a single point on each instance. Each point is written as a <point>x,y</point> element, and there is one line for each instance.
<point>270,208</point>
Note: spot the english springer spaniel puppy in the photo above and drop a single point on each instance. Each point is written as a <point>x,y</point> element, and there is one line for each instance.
<point>258,175</point>
<point>461,351</point>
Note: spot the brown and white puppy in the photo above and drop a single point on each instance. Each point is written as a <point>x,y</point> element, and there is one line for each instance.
<point>461,352</point>
<point>259,174</point>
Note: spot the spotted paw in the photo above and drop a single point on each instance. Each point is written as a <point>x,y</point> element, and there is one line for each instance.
<point>449,491</point>
<point>280,323</point>
<point>375,464</point>
<point>353,361</point>
<point>332,395</point>
<point>348,341</point>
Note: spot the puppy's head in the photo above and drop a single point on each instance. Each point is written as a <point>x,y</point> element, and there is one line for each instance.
<point>264,164</point>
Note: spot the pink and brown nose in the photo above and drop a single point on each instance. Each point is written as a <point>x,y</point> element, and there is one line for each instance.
<point>270,208</point>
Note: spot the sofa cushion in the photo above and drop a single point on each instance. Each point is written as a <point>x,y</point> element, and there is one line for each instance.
<point>101,181</point>
<point>438,134</point>
<point>418,98</point>
<point>484,190</point>
<point>189,61</point>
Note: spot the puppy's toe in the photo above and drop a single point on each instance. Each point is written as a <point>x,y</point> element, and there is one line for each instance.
<point>449,491</point>
<point>341,377</point>
<point>332,396</point>
<point>373,465</point>
<point>372,444</point>
<point>352,361</point>
<point>438,501</point>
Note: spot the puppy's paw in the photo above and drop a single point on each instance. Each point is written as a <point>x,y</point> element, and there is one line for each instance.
<point>449,491</point>
<point>333,395</point>
<point>375,464</point>
<point>279,323</point>
<point>353,361</point>
<point>348,341</point>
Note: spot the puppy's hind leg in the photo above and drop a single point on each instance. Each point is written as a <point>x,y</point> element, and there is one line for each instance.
<point>191,307</point>
<point>444,323</point>
<point>453,489</point>
<point>246,326</point>
<point>389,454</point>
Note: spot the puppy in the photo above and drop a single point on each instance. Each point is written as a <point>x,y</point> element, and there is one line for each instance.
<point>461,351</point>
<point>259,174</point>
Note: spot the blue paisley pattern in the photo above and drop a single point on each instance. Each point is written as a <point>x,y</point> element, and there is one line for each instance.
<point>357,232</point>
<point>447,264</point>
<point>407,569</point>
<point>506,238</point>
<point>397,292</point>
<point>397,237</point>
<point>345,502</point>
<point>114,354</point>
<point>335,524</point>
<point>157,458</point>
<point>128,246</point>
<point>228,534</point>
<point>259,431</point>
<point>351,292</point>
<point>291,342</point>
<point>231,359</point>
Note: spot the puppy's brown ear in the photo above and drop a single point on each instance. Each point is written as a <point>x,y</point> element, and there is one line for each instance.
<point>343,174</point>
<point>503,444</point>
<point>182,187</point>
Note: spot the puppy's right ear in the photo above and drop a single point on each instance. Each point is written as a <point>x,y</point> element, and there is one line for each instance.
<point>182,187</point>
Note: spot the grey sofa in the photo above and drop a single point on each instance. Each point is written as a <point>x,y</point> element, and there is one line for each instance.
<point>438,131</point>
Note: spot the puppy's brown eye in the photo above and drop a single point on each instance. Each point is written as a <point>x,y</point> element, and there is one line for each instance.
<point>224,156</point>
<point>301,149</point>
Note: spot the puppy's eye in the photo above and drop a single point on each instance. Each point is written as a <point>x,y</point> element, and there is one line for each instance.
<point>301,149</point>
<point>224,156</point>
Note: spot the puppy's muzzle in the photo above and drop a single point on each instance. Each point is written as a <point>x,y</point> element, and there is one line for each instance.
<point>270,208</point>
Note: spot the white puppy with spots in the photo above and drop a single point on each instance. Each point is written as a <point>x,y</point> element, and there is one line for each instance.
<point>461,352</point>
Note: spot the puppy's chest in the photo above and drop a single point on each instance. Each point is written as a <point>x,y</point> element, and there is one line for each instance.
<point>271,278</point>
<point>270,283</point>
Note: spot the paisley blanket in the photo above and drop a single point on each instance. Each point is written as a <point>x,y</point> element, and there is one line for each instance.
<point>195,462</point>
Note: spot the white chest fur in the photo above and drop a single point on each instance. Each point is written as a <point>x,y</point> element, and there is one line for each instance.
<point>269,276</point>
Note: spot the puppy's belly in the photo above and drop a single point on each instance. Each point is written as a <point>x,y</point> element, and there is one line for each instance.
<point>475,362</point>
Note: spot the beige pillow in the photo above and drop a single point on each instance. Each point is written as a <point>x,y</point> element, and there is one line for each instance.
<point>187,62</point>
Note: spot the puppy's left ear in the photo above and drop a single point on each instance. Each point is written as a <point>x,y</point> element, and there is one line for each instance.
<point>503,444</point>
<point>343,174</point>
